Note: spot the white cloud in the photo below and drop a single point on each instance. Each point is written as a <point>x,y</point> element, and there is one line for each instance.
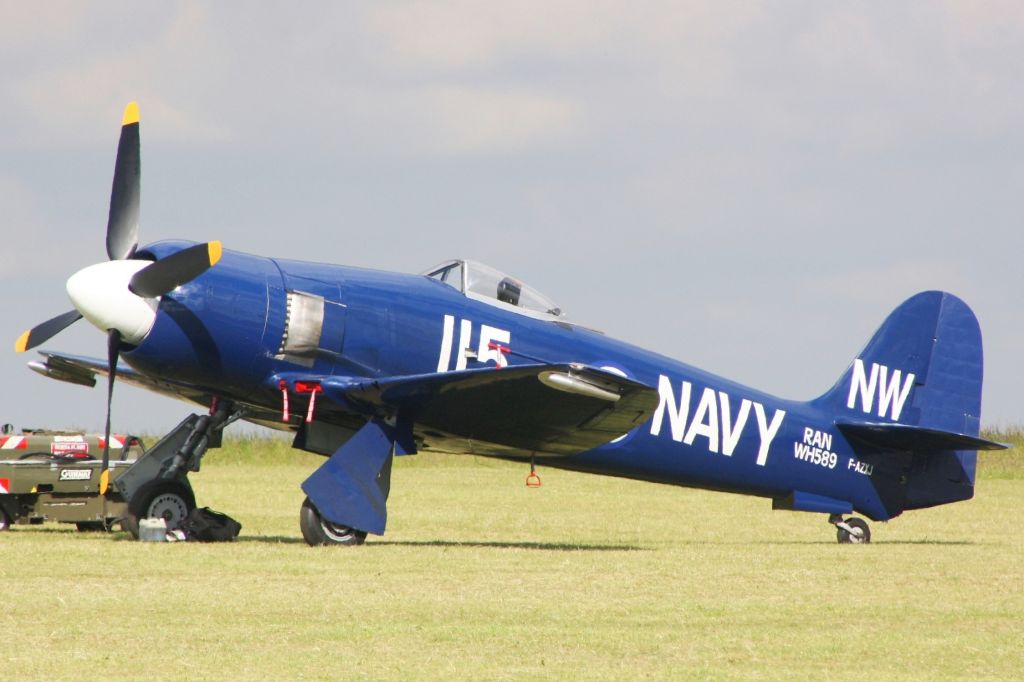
<point>28,248</point>
<point>475,120</point>
<point>24,25</point>
<point>467,35</point>
<point>83,74</point>
<point>886,283</point>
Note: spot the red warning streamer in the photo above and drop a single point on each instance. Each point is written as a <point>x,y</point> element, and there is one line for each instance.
<point>312,388</point>
<point>284,400</point>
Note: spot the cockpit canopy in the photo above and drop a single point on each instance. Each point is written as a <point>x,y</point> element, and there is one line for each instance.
<point>484,283</point>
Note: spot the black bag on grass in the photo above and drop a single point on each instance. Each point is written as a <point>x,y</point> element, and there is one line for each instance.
<point>205,525</point>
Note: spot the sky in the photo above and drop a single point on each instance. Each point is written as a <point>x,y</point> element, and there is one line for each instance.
<point>748,187</point>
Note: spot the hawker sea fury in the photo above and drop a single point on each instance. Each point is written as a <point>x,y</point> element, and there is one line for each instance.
<point>364,365</point>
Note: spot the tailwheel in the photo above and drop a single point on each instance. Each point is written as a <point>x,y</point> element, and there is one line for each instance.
<point>316,530</point>
<point>851,531</point>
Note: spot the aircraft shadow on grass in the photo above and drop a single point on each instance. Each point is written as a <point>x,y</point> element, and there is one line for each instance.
<point>811,543</point>
<point>539,546</point>
<point>495,544</point>
<point>589,547</point>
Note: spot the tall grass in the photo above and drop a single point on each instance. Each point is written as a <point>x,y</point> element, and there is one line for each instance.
<point>1003,464</point>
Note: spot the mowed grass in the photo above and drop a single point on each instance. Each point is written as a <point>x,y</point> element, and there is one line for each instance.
<point>479,577</point>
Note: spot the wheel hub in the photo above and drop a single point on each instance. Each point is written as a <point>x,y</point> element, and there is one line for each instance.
<point>169,507</point>
<point>337,532</point>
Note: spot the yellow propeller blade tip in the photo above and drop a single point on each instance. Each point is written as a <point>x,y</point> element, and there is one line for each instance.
<point>22,343</point>
<point>131,114</point>
<point>104,481</point>
<point>216,250</point>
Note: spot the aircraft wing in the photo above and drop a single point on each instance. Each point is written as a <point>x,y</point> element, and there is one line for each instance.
<point>83,370</point>
<point>80,369</point>
<point>548,409</point>
<point>559,409</point>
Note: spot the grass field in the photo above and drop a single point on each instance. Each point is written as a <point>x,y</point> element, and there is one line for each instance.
<point>482,578</point>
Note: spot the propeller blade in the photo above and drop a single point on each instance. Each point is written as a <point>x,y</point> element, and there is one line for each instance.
<point>165,274</point>
<point>41,333</point>
<point>123,222</point>
<point>113,346</point>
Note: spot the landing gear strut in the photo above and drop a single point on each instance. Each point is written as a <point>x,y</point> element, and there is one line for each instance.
<point>851,531</point>
<point>157,484</point>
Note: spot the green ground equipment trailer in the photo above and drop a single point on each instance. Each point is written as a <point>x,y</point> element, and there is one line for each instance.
<point>55,476</point>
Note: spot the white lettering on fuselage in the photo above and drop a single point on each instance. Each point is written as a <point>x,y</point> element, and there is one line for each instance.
<point>484,353</point>
<point>860,467</point>
<point>816,448</point>
<point>445,358</point>
<point>890,385</point>
<point>713,419</point>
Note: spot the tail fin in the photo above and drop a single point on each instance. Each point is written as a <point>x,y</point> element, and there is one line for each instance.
<point>910,403</point>
<point>923,367</point>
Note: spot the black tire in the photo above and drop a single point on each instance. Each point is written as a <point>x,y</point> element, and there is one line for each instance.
<point>861,538</point>
<point>90,526</point>
<point>170,500</point>
<point>5,520</point>
<point>317,530</point>
<point>45,456</point>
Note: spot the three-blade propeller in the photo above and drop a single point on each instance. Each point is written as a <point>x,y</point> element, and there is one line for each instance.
<point>120,296</point>
<point>125,193</point>
<point>166,274</point>
<point>41,333</point>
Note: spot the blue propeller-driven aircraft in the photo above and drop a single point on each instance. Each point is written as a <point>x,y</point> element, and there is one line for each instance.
<point>364,365</point>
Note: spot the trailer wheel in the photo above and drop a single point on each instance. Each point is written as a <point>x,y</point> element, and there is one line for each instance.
<point>170,500</point>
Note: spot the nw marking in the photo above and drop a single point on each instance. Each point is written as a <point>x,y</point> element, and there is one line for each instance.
<point>890,386</point>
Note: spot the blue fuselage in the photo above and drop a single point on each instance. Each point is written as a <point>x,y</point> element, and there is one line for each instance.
<point>224,334</point>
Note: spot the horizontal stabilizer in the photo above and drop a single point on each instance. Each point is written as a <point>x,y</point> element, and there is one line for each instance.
<point>905,437</point>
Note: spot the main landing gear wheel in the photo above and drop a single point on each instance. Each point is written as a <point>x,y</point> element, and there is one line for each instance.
<point>316,530</point>
<point>170,500</point>
<point>858,533</point>
<point>5,521</point>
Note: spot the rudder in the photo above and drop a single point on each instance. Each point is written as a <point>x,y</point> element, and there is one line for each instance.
<point>923,367</point>
<point>910,403</point>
